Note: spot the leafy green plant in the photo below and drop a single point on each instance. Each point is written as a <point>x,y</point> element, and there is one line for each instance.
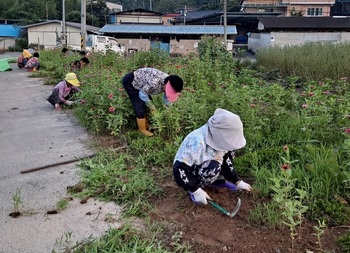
<point>65,244</point>
<point>320,231</point>
<point>288,197</point>
<point>17,202</point>
<point>62,204</point>
<point>344,242</point>
<point>211,47</point>
<point>267,214</point>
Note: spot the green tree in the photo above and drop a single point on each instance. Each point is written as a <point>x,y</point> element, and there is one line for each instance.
<point>99,10</point>
<point>73,16</point>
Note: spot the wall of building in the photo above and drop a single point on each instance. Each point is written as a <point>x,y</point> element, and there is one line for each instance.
<point>258,41</point>
<point>120,19</point>
<point>303,8</point>
<point>46,35</point>
<point>6,42</point>
<point>183,46</point>
<point>288,6</point>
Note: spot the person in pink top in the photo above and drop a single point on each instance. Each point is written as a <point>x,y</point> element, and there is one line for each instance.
<point>63,91</point>
<point>33,63</point>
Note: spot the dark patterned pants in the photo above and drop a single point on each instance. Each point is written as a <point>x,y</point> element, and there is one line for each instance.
<point>140,108</point>
<point>55,99</point>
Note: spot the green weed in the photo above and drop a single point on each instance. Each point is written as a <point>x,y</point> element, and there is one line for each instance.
<point>344,242</point>
<point>17,202</point>
<point>62,204</point>
<point>126,240</point>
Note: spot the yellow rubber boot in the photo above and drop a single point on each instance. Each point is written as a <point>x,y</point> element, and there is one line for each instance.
<point>141,123</point>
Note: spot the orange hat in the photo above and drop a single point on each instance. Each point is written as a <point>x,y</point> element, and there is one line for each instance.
<point>26,53</point>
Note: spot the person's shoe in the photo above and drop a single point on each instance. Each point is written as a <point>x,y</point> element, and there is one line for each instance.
<point>35,70</point>
<point>227,185</point>
<point>141,123</point>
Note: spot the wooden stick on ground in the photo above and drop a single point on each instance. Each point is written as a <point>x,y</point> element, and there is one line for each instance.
<point>66,162</point>
<point>56,164</point>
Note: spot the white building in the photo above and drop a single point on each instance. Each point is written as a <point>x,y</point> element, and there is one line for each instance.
<point>49,34</point>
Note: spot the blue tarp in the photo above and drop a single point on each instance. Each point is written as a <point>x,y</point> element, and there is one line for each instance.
<point>9,31</point>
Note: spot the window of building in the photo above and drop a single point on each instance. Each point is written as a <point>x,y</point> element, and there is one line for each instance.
<point>265,10</point>
<point>314,11</point>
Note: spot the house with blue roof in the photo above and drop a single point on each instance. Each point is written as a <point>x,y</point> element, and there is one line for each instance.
<point>8,36</point>
<point>140,30</point>
<point>174,39</point>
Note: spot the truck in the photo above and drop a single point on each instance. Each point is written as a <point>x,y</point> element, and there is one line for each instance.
<point>100,43</point>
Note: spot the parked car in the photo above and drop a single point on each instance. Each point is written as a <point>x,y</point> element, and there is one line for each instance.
<point>98,43</point>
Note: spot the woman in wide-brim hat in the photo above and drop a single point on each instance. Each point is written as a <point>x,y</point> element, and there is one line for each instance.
<point>64,90</point>
<point>206,154</point>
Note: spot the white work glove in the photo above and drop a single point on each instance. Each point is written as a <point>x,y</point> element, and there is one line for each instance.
<point>69,102</point>
<point>199,196</point>
<point>244,186</point>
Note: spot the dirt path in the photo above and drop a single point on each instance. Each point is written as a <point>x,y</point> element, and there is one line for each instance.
<point>33,134</point>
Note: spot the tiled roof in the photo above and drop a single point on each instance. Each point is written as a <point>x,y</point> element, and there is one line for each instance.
<point>198,14</point>
<point>9,31</point>
<point>172,29</point>
<point>305,22</point>
<point>137,11</point>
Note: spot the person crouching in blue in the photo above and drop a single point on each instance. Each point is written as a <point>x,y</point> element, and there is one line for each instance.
<point>205,157</point>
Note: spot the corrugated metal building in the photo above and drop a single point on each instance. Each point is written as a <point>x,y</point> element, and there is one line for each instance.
<point>176,39</point>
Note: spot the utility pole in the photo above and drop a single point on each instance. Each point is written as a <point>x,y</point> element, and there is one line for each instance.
<point>47,12</point>
<point>225,23</point>
<point>185,15</point>
<point>150,5</point>
<point>64,32</point>
<point>83,25</point>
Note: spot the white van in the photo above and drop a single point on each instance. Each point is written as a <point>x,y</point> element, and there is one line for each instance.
<point>99,43</point>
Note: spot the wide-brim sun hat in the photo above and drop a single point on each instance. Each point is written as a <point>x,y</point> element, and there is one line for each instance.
<point>72,79</point>
<point>225,131</point>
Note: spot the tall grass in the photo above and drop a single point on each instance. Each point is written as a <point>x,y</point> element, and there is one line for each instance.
<point>313,61</point>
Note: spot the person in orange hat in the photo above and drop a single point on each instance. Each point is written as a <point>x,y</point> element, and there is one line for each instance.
<point>143,83</point>
<point>23,58</point>
<point>63,91</point>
